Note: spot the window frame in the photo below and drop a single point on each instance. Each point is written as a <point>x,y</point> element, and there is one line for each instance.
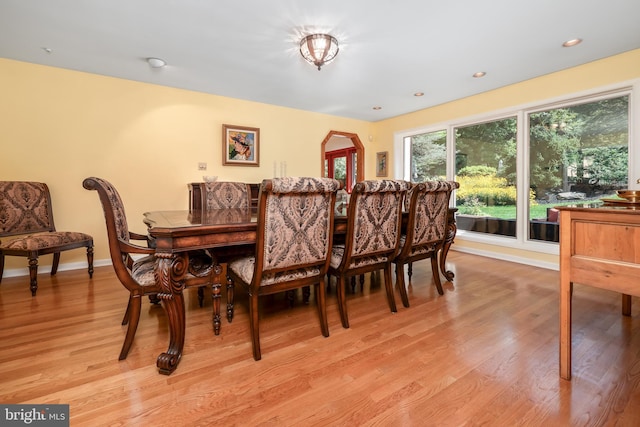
<point>521,113</point>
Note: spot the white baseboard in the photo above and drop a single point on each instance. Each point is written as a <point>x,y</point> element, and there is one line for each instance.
<point>16,272</point>
<point>506,257</point>
<point>105,262</point>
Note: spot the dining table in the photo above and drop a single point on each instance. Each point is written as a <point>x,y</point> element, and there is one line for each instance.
<point>176,233</point>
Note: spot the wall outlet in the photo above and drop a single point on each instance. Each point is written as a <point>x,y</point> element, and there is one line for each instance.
<point>202,166</point>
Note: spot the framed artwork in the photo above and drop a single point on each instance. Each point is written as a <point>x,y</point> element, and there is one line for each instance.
<point>381,163</point>
<point>240,146</point>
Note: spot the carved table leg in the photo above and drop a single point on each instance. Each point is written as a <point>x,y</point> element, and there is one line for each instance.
<point>170,270</point>
<point>451,234</point>
<point>230,298</point>
<point>215,291</point>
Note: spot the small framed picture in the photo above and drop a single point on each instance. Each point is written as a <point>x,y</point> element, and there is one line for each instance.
<point>381,163</point>
<point>240,146</point>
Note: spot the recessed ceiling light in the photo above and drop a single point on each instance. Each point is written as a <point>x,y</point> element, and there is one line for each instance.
<point>572,42</point>
<point>418,94</point>
<point>156,62</point>
<point>479,74</point>
<point>377,108</point>
<point>47,49</point>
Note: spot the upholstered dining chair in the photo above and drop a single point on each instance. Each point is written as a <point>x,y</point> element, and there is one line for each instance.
<point>427,204</point>
<point>374,221</point>
<point>137,275</point>
<point>225,195</point>
<point>293,244</point>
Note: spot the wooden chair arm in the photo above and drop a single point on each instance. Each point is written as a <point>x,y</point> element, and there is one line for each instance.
<point>128,248</point>
<point>136,236</point>
<point>135,249</point>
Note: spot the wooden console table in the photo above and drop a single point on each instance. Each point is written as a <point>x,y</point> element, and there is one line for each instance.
<point>600,247</point>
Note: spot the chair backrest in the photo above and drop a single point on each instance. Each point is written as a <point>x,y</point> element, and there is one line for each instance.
<point>222,195</point>
<point>295,225</point>
<point>428,214</point>
<point>374,219</point>
<point>117,228</point>
<point>25,207</point>
<point>112,206</point>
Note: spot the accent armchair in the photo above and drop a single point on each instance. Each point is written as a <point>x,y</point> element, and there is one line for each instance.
<point>26,217</point>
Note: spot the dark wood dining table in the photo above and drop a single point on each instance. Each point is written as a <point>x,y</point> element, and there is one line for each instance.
<point>175,233</point>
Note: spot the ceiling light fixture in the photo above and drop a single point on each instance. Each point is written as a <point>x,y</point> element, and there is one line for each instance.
<point>418,94</point>
<point>156,62</point>
<point>479,74</point>
<point>319,49</point>
<point>571,42</point>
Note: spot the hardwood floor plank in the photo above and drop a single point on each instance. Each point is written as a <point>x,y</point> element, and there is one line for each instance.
<point>484,353</point>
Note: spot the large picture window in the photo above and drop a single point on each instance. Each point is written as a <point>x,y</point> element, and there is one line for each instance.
<point>577,154</point>
<point>428,156</point>
<point>486,170</point>
<point>514,170</point>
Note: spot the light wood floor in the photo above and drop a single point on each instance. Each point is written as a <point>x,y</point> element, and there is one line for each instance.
<point>485,353</point>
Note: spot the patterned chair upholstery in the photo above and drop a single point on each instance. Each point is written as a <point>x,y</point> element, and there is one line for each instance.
<point>27,216</point>
<point>426,231</point>
<point>374,221</point>
<point>293,244</point>
<point>137,276</point>
<point>223,195</point>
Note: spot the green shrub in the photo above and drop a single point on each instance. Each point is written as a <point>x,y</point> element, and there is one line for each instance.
<point>472,207</point>
<point>478,170</point>
<point>489,190</point>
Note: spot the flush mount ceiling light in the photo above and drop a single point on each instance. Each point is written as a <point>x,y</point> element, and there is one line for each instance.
<point>319,49</point>
<point>479,74</point>
<point>156,62</point>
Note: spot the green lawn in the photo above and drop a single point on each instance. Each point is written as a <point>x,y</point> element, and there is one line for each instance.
<point>537,211</point>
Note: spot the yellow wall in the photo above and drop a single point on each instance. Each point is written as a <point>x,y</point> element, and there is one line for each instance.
<point>616,69</point>
<point>60,126</point>
<point>619,68</point>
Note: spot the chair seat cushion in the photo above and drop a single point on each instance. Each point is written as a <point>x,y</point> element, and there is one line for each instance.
<point>243,268</point>
<point>337,252</point>
<point>419,250</point>
<point>39,241</point>
<point>142,270</point>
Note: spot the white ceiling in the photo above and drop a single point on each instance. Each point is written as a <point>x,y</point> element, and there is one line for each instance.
<point>389,50</point>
